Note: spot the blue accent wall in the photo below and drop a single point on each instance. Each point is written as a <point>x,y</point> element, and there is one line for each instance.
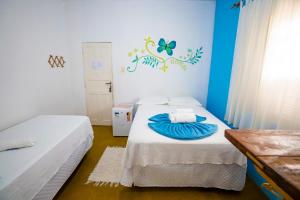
<point>226,22</point>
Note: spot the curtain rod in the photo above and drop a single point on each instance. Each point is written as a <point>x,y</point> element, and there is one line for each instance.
<point>240,3</point>
<point>236,5</point>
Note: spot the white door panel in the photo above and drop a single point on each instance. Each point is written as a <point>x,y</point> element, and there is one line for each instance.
<point>98,87</point>
<point>98,78</point>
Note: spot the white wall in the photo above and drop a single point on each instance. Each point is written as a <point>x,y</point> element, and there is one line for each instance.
<point>30,31</point>
<point>126,24</point>
<point>33,29</point>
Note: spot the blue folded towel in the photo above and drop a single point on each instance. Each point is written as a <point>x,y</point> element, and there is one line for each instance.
<point>184,131</point>
<point>165,118</point>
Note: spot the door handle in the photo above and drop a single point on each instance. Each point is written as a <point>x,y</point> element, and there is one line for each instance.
<point>110,88</point>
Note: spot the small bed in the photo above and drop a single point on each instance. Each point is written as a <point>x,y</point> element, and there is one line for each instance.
<point>38,172</point>
<point>152,159</point>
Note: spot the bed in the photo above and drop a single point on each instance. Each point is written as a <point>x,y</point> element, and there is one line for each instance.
<point>38,172</point>
<point>152,159</point>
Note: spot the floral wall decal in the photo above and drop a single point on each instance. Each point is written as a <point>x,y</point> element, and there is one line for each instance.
<point>151,55</point>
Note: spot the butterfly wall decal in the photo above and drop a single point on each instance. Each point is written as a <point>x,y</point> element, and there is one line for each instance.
<point>168,47</point>
<point>148,56</point>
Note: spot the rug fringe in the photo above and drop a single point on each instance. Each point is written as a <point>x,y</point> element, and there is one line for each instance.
<point>103,183</point>
<point>116,147</point>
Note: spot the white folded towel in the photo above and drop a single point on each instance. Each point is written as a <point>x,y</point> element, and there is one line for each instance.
<point>183,117</point>
<point>8,144</point>
<point>185,110</point>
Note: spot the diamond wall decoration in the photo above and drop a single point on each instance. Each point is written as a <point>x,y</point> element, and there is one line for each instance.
<point>56,61</point>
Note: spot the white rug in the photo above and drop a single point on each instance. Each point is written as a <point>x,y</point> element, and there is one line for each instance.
<point>109,168</point>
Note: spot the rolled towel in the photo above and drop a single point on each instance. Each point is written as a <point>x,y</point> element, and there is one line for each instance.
<point>182,117</point>
<point>164,117</point>
<point>184,110</point>
<point>8,144</point>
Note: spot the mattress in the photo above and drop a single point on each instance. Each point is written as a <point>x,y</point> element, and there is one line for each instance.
<point>56,182</point>
<point>24,172</point>
<point>222,176</point>
<point>147,148</point>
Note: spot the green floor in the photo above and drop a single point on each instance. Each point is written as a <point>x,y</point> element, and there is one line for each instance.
<point>75,188</point>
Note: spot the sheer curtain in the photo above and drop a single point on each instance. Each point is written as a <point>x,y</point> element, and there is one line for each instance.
<point>265,81</point>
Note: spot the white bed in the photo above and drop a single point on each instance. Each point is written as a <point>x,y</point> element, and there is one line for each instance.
<point>38,172</point>
<point>152,159</point>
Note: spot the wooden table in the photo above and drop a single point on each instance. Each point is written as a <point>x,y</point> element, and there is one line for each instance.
<point>276,156</point>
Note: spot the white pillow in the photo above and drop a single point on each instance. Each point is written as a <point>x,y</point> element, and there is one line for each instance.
<point>183,101</point>
<point>153,101</point>
<point>8,144</point>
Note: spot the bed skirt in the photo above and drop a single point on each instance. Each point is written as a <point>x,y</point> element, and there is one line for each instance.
<point>56,182</point>
<point>222,176</point>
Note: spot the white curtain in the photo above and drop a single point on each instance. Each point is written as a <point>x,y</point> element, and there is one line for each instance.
<point>265,81</point>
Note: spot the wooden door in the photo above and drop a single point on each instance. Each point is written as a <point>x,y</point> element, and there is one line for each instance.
<point>97,60</point>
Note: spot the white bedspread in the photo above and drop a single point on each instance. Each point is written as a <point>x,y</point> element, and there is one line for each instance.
<point>24,172</point>
<point>146,147</point>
